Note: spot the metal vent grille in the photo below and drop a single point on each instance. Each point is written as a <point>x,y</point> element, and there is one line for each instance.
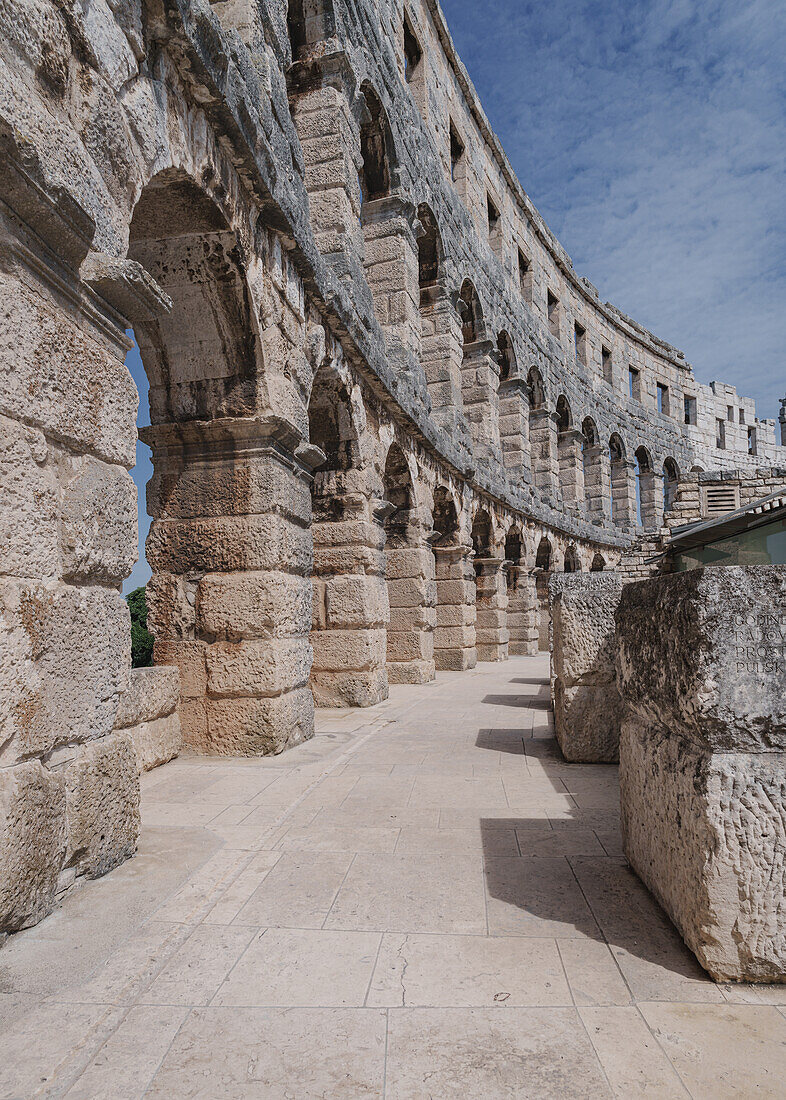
<point>720,499</point>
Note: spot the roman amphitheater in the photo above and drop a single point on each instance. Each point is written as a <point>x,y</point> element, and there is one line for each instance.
<point>422,509</point>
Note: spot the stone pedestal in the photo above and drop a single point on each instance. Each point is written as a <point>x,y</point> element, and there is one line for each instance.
<point>492,604</point>
<point>587,705</point>
<point>702,671</point>
<point>230,596</point>
<point>454,634</point>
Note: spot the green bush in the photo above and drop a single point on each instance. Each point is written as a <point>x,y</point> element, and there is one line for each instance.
<point>141,638</point>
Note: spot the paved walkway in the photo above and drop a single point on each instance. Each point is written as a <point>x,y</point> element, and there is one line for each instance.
<point>424,901</point>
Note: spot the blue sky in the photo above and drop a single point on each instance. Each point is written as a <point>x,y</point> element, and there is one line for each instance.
<point>652,138</point>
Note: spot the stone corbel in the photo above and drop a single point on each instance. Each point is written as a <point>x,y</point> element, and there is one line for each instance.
<point>126,286</point>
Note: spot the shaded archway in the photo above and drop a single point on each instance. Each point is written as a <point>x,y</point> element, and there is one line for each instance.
<point>454,633</point>
<point>572,563</point>
<point>375,162</point>
<point>541,438</point>
<point>350,607</point>
<point>491,596</point>
<point>506,357</point>
<point>647,511</point>
<point>595,489</point>
<point>568,456</point>
<point>621,498</point>
<point>598,564</point>
<point>409,572</point>
<point>543,561</point>
<point>671,479</point>
<point>521,617</point>
<point>212,513</point>
<point>479,374</point>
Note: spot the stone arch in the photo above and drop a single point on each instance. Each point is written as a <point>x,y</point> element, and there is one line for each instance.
<point>671,478</point>
<point>409,574</point>
<point>543,567</point>
<point>479,375</point>
<point>440,333</point>
<point>572,561</point>
<point>350,605</point>
<point>539,430</point>
<point>521,609</point>
<point>598,564</point>
<point>647,510</point>
<point>568,456</point>
<point>376,149</point>
<point>445,518</point>
<point>470,315</point>
<point>482,534</point>
<point>454,632</point>
<point>490,591</point>
<point>620,482</point>
<point>595,490</point>
<point>205,365</point>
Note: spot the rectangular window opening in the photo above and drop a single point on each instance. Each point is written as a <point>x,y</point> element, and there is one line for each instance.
<point>690,410</point>
<point>634,383</point>
<point>456,155</point>
<point>752,441</point>
<point>525,277</point>
<point>580,342</point>
<point>552,312</point>
<point>492,214</point>
<point>606,365</point>
<point>720,434</point>
<point>412,51</point>
<point>663,399</point>
<point>742,416</point>
<point>730,413</point>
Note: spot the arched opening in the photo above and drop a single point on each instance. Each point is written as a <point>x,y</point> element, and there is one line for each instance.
<point>429,250</point>
<point>350,607</point>
<point>647,513</point>
<point>521,595</point>
<point>572,562</point>
<point>471,315</point>
<point>482,534</point>
<point>592,464</point>
<point>671,478</point>
<point>513,554</point>
<point>491,598</point>
<point>204,362</point>
<point>567,452</point>
<point>454,633</point>
<point>543,558</point>
<point>374,173</point>
<point>409,573</point>
<point>598,564</point>
<point>439,328</point>
<point>506,357</point>
<point>479,382</point>
<point>620,488</point>
<point>540,434</point>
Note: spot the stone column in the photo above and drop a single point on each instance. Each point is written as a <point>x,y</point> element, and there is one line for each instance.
<point>412,596</point>
<point>492,604</point>
<point>623,493</point>
<point>230,596</point>
<point>587,704</point>
<point>651,489</point>
<point>391,260</point>
<point>454,633</point>
<point>523,613</point>
<point>514,428</point>
<point>702,672</point>
<point>543,453</point>
<point>351,610</point>
<point>479,384</point>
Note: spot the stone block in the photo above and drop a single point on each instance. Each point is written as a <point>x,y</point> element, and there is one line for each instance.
<point>152,693</point>
<point>409,563</point>
<point>102,803</point>
<point>455,660</point>
<point>189,658</point>
<point>157,741</point>
<point>338,650</point>
<point>411,592</point>
<point>68,659</point>
<point>32,843</point>
<point>229,544</point>
<point>411,672</point>
<point>356,600</point>
<point>587,721</point>
<point>98,522</point>
<point>257,727</point>
<point>257,668</point>
<point>28,504</point>
<point>362,688</point>
<point>706,832</point>
<point>241,606</point>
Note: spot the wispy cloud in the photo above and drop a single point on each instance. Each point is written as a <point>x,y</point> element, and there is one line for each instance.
<point>652,137</point>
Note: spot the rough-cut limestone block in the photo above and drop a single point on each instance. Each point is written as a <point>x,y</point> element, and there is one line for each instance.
<point>455,660</point>
<point>256,727</point>
<point>356,600</point>
<point>68,651</point>
<point>102,801</point>
<point>98,533</point>
<point>587,707</point>
<point>702,673</point>
<point>28,504</point>
<point>152,693</point>
<point>229,544</point>
<point>702,652</point>
<point>411,592</point>
<point>257,668</point>
<point>337,650</point>
<point>706,832</point>
<point>410,672</point>
<point>220,488</point>
<point>32,843</point>
<point>364,688</point>
<point>404,562</point>
<point>254,605</point>
<point>158,741</point>
<point>189,657</point>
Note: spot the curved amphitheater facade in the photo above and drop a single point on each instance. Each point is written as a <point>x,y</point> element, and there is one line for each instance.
<point>384,406</point>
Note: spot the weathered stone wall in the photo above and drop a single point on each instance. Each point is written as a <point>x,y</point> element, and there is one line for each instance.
<point>587,705</point>
<point>702,673</point>
<point>148,711</point>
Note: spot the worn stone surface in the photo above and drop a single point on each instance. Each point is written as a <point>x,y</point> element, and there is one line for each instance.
<point>702,764</point>
<point>587,705</point>
<point>148,710</point>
